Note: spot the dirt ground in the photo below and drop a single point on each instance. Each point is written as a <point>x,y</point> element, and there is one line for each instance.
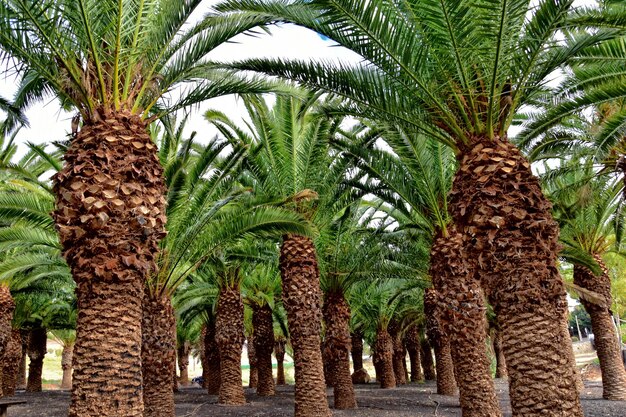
<point>409,400</point>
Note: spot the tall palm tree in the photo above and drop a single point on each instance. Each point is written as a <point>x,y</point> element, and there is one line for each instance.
<point>289,164</point>
<point>114,62</point>
<point>413,182</point>
<point>459,71</point>
<point>591,217</point>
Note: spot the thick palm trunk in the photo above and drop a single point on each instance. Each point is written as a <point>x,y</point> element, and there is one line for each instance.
<point>11,362</point>
<point>336,313</point>
<point>36,353</point>
<point>356,350</point>
<point>302,300</point>
<point>383,359</point>
<point>499,354</point>
<point>7,306</point>
<point>426,357</point>
<point>110,212</point>
<point>263,324</point>
<point>66,365</point>
<point>158,356</point>
<point>507,227</point>
<point>399,354</point>
<point>279,352</point>
<point>446,383</point>
<point>412,345</point>
<point>212,357</point>
<point>21,373</point>
<point>229,336</point>
<point>253,380</point>
<point>461,311</point>
<point>182,352</point>
<point>607,346</point>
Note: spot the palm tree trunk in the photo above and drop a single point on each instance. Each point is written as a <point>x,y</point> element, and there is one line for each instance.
<point>11,363</point>
<point>229,336</point>
<point>412,345</point>
<point>499,354</point>
<point>21,373</point>
<point>212,357</point>
<point>607,346</point>
<point>66,365</point>
<point>263,324</point>
<point>399,354</point>
<point>7,306</point>
<point>356,339</point>
<point>182,353</point>
<point>446,383</point>
<point>336,313</point>
<point>110,212</point>
<point>507,228</point>
<point>279,352</point>
<point>461,310</point>
<point>253,380</point>
<point>302,300</point>
<point>36,352</point>
<point>383,359</point>
<point>158,356</point>
<point>426,357</point>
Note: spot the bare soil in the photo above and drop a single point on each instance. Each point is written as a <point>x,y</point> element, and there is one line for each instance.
<point>408,400</point>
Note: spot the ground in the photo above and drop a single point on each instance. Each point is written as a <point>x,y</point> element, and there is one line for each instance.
<point>410,400</point>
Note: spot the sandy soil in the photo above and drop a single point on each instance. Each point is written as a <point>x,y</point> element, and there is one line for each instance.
<point>409,400</point>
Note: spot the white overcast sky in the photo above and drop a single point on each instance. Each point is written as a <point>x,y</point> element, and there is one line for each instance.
<point>48,123</point>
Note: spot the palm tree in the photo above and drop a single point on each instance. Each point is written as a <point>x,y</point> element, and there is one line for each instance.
<point>261,293</point>
<point>459,72</point>
<point>289,164</point>
<point>113,62</point>
<point>591,217</point>
<point>413,182</point>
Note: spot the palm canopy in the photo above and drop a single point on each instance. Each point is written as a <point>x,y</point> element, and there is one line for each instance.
<point>452,69</point>
<point>289,162</point>
<point>211,217</point>
<point>111,55</point>
<point>595,80</point>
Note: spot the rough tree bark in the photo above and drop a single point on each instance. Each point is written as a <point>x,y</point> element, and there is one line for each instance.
<point>507,228</point>
<point>607,346</point>
<point>446,383</point>
<point>461,311</point>
<point>383,359</point>
<point>66,365</point>
<point>229,336</point>
<point>11,362</point>
<point>158,356</point>
<point>37,343</point>
<point>426,356</point>
<point>279,352</point>
<point>212,358</point>
<point>498,353</point>
<point>356,339</point>
<point>263,324</point>
<point>398,353</point>
<point>110,213</point>
<point>412,345</point>
<point>7,306</point>
<point>21,374</point>
<point>182,352</point>
<point>336,313</point>
<point>302,300</point>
